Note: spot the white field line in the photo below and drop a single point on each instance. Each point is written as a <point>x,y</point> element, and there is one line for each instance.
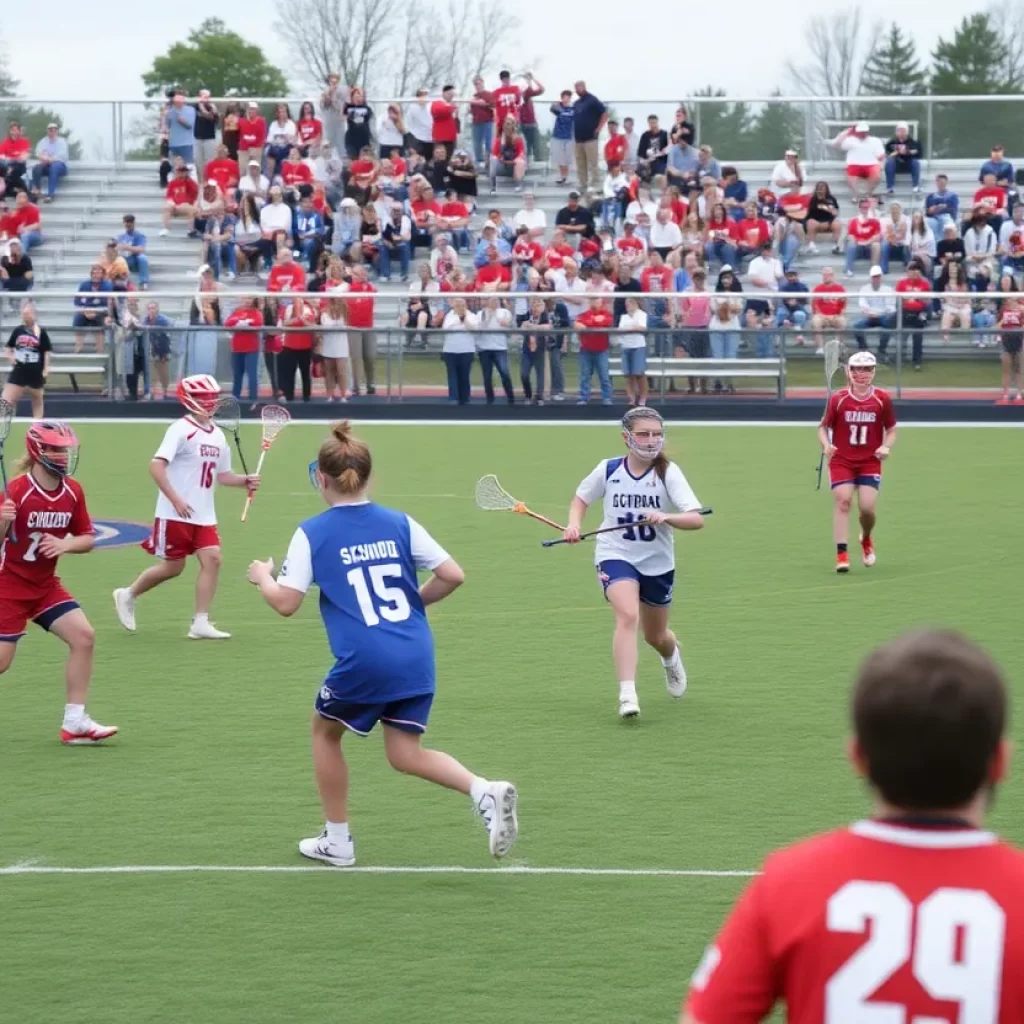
<point>29,868</point>
<point>692,424</point>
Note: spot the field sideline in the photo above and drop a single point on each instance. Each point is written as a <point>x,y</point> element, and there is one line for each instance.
<point>158,880</point>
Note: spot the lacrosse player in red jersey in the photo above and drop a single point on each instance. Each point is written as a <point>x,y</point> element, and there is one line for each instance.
<point>857,433</point>
<point>193,456</point>
<point>43,516</point>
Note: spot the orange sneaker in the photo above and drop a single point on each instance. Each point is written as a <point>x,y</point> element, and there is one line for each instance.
<point>867,550</point>
<point>843,561</point>
<point>88,733</point>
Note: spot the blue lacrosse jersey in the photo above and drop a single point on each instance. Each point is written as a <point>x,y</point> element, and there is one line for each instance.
<point>364,559</point>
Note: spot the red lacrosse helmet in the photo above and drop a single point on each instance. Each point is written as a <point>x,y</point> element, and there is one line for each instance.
<point>199,393</point>
<point>54,446</point>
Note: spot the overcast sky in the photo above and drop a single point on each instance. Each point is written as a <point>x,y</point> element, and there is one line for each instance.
<point>77,50</point>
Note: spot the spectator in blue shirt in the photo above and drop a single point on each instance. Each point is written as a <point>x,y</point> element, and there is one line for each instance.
<point>683,165</point>
<point>181,122</point>
<point>158,349</point>
<point>92,306</point>
<point>309,231</point>
<point>791,310</point>
<point>489,238</point>
<point>735,192</point>
<point>942,207</point>
<point>131,244</point>
<point>53,155</point>
<point>998,165</point>
<point>562,136</point>
<point>589,117</point>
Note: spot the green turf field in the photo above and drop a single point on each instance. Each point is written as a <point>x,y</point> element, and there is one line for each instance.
<point>212,764</point>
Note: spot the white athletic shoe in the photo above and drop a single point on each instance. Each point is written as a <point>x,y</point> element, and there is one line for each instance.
<point>675,676</point>
<point>497,810</point>
<point>321,848</point>
<point>629,706</point>
<point>206,630</point>
<point>124,604</point>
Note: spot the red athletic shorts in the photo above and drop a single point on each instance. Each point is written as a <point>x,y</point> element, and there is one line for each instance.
<point>867,473</point>
<point>863,170</point>
<point>22,603</point>
<point>172,539</point>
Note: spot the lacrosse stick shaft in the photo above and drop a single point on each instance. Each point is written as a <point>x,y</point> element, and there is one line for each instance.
<point>259,469</point>
<point>241,457</point>
<point>540,518</point>
<point>619,527</point>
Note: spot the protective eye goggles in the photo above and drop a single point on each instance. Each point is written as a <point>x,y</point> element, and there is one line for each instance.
<point>314,468</point>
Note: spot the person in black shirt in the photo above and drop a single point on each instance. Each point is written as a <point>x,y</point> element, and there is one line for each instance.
<point>576,221</point>
<point>359,117</point>
<point>949,249</point>
<point>652,150</point>
<point>903,155</point>
<point>15,270</point>
<point>626,284</point>
<point>205,132</point>
<point>683,130</point>
<point>28,352</point>
<point>436,169</point>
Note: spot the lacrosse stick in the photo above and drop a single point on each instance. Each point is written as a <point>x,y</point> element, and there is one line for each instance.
<point>6,415</point>
<point>274,419</point>
<point>833,358</point>
<point>227,416</point>
<point>620,526</point>
<point>492,497</point>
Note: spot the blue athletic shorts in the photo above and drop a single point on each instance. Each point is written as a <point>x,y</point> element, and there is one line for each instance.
<point>654,590</point>
<point>634,361</point>
<point>409,714</point>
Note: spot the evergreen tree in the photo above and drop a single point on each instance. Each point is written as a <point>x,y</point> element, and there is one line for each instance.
<point>893,69</point>
<point>973,61</point>
<point>776,128</point>
<point>726,127</point>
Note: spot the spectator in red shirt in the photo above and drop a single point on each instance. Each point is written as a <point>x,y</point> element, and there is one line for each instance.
<point>991,199</point>
<point>915,309</point>
<point>481,106</point>
<point>362,339</point>
<point>295,172</point>
<point>25,222</point>
<point>592,326</point>
<point>827,308</point>
<point>252,135</point>
<point>508,156</point>
<point>286,275</point>
<point>720,236</point>
<point>863,237</point>
<point>223,170</point>
<point>508,98</point>
<point>751,232</point>
<point>297,347</point>
<point>615,147</point>
<point>310,130</point>
<point>790,228</point>
<point>455,216</point>
<point>493,275</point>
<point>14,152</point>
<point>245,346</point>
<point>526,251</point>
<point>445,115</point>
<point>181,198</point>
<point>528,116</point>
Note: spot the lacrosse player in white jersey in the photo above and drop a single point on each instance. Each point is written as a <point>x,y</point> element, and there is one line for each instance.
<point>636,565</point>
<point>193,456</point>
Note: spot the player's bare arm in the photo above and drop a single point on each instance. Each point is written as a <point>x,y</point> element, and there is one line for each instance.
<point>827,446</point>
<point>53,547</point>
<point>885,449</point>
<point>284,600</point>
<point>158,471</point>
<point>677,520</point>
<point>447,578</point>
<point>8,513</point>
<point>251,482</point>
<point>577,510</point>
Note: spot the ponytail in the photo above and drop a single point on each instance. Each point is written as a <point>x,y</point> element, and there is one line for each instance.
<point>345,460</point>
<point>661,465</point>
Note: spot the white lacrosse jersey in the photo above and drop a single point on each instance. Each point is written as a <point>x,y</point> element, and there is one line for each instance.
<point>195,456</point>
<point>627,500</point>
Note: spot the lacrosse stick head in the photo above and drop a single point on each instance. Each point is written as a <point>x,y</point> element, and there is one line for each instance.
<point>274,419</point>
<point>833,350</point>
<point>492,497</point>
<point>6,416</point>
<point>228,413</point>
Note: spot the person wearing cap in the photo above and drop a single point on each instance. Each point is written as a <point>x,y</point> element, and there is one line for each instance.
<point>254,182</point>
<point>865,155</point>
<point>589,118</point>
<point>53,156</point>
<point>1000,167</point>
<point>903,156</point>
<point>863,237</point>
<point>827,307</point>
<point>561,149</point>
<point>786,173</point>
<point>876,305</point>
<point>252,136</point>
<point>575,220</point>
<point>462,176</point>
<point>131,244</point>
<point>205,132</point>
<point>181,121</point>
<point>915,309</point>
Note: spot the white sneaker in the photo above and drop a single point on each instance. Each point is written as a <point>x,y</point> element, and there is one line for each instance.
<point>124,605</point>
<point>206,630</point>
<point>164,232</point>
<point>629,706</point>
<point>321,848</point>
<point>819,351</point>
<point>812,249</point>
<point>675,676</point>
<point>497,810</point>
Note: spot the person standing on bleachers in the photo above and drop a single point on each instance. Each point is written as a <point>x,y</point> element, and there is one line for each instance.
<point>181,120</point>
<point>205,131</point>
<point>53,156</point>
<point>589,118</point>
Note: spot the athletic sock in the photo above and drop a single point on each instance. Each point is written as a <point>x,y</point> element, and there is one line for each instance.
<point>338,833</point>
<point>841,548</point>
<point>74,716</point>
<point>627,688</point>
<point>201,618</point>
<point>478,789</point>
<point>671,659</point>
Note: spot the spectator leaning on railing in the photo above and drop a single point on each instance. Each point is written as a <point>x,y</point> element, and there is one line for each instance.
<point>52,155</point>
<point>92,306</point>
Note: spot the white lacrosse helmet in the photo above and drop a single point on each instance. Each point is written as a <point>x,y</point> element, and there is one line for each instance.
<point>860,368</point>
<point>199,393</point>
<point>647,448</point>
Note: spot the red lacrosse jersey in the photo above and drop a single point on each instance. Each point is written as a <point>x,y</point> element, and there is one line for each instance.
<point>23,567</point>
<point>858,425</point>
<point>877,922</point>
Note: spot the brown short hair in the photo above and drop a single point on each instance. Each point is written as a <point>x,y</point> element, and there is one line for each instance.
<point>344,460</point>
<point>929,709</point>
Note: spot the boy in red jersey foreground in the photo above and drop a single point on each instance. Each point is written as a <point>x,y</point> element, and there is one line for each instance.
<point>915,915</point>
<point>857,433</point>
<point>43,516</point>
<point>193,456</point>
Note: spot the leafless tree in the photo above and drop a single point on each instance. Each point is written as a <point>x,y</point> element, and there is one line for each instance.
<point>1009,23</point>
<point>397,45</point>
